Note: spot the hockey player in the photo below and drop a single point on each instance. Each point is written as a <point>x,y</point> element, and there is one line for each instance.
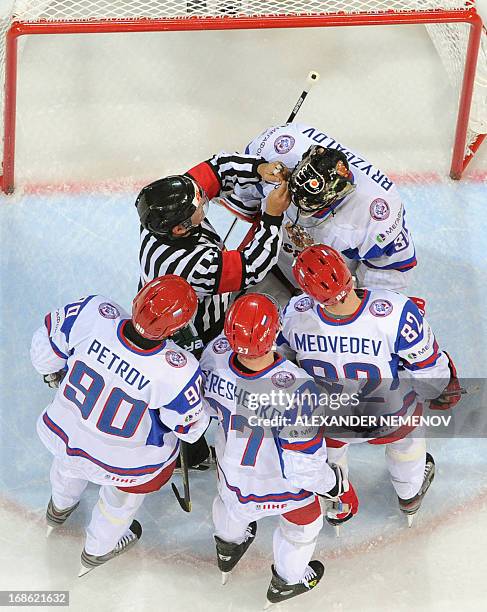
<point>176,238</point>
<point>126,395</point>
<point>376,343</point>
<point>338,198</point>
<point>264,471</point>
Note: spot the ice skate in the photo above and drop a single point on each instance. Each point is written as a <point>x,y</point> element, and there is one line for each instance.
<point>229,554</point>
<point>411,506</point>
<point>279,590</point>
<point>55,517</point>
<point>90,562</point>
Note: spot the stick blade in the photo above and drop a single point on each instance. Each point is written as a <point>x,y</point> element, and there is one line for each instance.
<point>185,504</point>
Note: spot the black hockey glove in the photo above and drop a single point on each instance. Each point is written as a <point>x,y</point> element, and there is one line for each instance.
<point>54,379</point>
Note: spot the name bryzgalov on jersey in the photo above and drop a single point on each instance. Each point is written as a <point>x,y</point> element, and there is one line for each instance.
<point>354,160</point>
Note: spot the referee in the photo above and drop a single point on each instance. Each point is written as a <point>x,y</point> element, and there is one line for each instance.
<point>176,238</point>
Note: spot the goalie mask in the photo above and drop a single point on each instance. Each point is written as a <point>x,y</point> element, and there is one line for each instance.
<point>321,178</point>
<point>169,202</point>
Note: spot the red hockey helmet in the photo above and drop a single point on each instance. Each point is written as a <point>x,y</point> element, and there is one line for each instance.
<point>321,272</point>
<point>163,306</point>
<point>252,324</point>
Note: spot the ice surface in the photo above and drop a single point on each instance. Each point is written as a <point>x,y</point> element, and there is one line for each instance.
<point>130,108</point>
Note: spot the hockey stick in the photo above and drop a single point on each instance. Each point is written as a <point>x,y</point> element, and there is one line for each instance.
<point>312,78</point>
<point>462,391</point>
<point>184,502</point>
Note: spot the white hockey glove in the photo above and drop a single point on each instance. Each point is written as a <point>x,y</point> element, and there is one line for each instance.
<point>343,497</point>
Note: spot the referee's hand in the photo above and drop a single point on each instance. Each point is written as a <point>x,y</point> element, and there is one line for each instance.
<point>279,200</point>
<point>273,172</point>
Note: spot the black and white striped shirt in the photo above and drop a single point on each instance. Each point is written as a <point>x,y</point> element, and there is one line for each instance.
<point>201,259</point>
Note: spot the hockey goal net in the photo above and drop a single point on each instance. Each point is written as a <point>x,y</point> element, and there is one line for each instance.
<point>454,26</point>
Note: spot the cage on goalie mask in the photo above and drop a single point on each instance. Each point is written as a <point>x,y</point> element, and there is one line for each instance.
<point>169,202</point>
<point>320,179</point>
<point>252,324</point>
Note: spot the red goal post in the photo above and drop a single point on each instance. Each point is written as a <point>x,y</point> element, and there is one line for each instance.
<point>454,25</point>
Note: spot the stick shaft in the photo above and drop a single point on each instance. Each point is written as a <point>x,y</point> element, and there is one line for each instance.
<point>184,468</point>
<point>311,79</point>
<point>297,106</point>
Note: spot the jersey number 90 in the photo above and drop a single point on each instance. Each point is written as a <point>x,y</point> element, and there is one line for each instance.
<point>84,388</point>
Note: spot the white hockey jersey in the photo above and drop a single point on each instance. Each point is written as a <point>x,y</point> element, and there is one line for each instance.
<point>385,352</point>
<point>119,410</point>
<point>269,466</point>
<point>368,226</point>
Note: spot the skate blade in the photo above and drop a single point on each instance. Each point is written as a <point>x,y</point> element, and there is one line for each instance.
<point>410,518</point>
<point>225,577</point>
<point>337,531</point>
<point>49,530</point>
<point>84,570</point>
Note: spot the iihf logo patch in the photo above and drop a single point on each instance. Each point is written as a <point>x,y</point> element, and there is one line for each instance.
<point>283,379</point>
<point>303,304</point>
<point>109,311</point>
<point>380,308</point>
<point>284,144</point>
<point>176,359</point>
<point>379,210</point>
<point>221,346</point>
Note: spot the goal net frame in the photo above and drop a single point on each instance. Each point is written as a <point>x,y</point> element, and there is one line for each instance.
<point>463,151</point>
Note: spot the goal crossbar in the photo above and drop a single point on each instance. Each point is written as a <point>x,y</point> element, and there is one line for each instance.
<point>461,153</point>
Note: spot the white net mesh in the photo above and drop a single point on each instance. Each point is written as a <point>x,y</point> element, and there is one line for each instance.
<point>100,9</point>
<point>450,39</point>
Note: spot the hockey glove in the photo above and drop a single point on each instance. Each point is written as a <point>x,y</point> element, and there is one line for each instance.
<point>344,500</point>
<point>452,393</point>
<point>54,379</point>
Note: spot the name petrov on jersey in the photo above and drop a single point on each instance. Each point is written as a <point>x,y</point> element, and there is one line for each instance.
<point>337,344</point>
<point>126,371</point>
<point>354,161</point>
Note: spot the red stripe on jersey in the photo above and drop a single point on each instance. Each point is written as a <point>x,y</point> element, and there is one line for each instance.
<point>429,360</point>
<point>401,433</point>
<point>306,515</point>
<point>232,272</point>
<point>153,485</point>
<point>302,446</point>
<point>206,178</point>
<point>331,443</point>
